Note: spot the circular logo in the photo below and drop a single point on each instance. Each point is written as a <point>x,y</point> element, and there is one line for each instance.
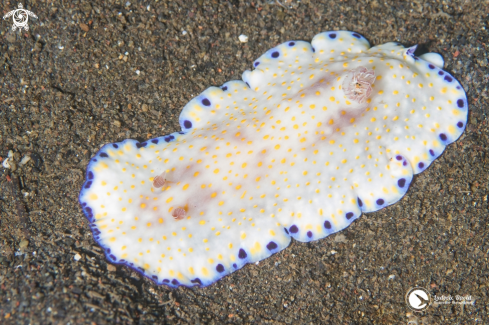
<point>418,299</point>
<point>20,18</point>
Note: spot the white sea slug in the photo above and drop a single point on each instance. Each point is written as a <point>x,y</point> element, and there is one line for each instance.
<point>315,135</point>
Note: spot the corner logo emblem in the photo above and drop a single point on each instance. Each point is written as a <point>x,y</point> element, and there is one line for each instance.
<point>418,299</point>
<point>20,17</point>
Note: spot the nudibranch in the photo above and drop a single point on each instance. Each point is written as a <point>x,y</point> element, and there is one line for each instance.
<point>315,135</point>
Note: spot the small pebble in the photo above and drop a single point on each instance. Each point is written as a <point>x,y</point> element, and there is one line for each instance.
<point>13,166</point>
<point>144,107</point>
<point>6,163</point>
<point>243,38</point>
<point>25,160</point>
<point>117,123</point>
<point>36,159</point>
<point>84,27</point>
<point>77,257</point>
<point>111,268</point>
<point>24,243</point>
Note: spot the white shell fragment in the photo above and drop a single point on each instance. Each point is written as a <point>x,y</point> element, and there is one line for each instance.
<point>243,38</point>
<point>284,153</point>
<point>24,160</point>
<point>6,163</point>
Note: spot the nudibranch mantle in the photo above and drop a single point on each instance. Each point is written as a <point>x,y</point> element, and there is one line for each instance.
<point>282,154</point>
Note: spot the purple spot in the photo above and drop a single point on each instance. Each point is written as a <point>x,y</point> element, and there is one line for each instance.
<point>181,132</point>
<point>356,35</point>
<point>175,282</point>
<point>404,163</point>
<point>286,231</point>
<point>226,87</point>
<point>458,87</point>
<point>460,124</point>
<point>443,136</point>
<point>155,141</point>
<point>293,229</point>
<point>327,225</point>
<point>187,124</point>
<point>155,277</point>
<point>360,203</point>
<point>122,261</point>
<point>271,246</point>
<point>432,152</point>
<point>349,215</point>
<point>166,280</point>
<point>220,268</point>
<point>257,63</point>
<point>309,234</point>
<point>235,265</point>
<point>247,84</point>
<point>169,138</point>
<point>206,102</point>
<point>431,66</point>
<point>398,157</point>
<point>94,160</point>
<point>332,35</point>
<point>460,103</point>
<point>84,204</point>
<point>90,175</point>
<point>313,50</point>
<point>401,182</point>
<point>197,281</point>
<point>421,165</point>
<point>115,145</point>
<point>291,43</point>
<point>448,78</point>
<point>275,54</point>
<point>141,145</point>
<point>108,250</point>
<point>441,73</point>
<point>88,184</point>
<point>141,269</point>
<point>380,202</point>
<point>242,254</point>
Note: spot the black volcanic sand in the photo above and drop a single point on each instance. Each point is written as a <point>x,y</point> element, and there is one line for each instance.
<point>70,84</point>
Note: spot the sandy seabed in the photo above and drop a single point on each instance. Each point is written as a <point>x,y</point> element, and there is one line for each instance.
<point>90,73</point>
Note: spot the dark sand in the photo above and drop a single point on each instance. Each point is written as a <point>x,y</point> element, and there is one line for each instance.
<point>67,89</point>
